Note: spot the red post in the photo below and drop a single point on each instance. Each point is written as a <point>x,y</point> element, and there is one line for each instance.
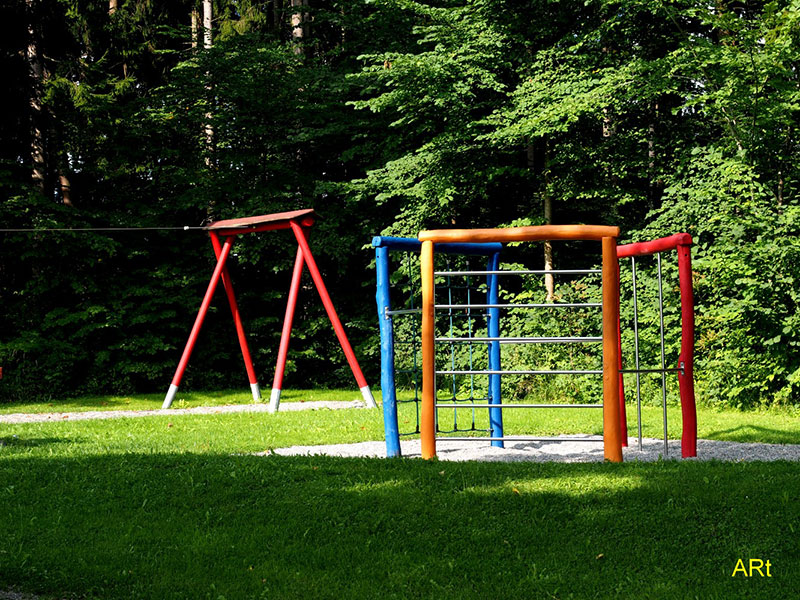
<point>280,368</point>
<point>686,358</point>
<point>198,322</point>
<point>299,233</point>
<point>237,321</point>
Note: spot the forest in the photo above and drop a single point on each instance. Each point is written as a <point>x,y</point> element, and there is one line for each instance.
<point>387,117</point>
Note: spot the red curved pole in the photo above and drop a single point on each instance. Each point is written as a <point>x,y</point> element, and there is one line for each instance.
<point>681,242</point>
<point>654,246</point>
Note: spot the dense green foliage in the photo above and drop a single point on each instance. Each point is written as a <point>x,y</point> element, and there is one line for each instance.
<point>387,116</point>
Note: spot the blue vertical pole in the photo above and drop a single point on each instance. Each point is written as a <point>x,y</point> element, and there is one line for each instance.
<point>391,430</point>
<point>492,297</point>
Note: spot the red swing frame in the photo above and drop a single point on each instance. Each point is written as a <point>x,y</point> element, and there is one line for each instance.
<point>299,221</point>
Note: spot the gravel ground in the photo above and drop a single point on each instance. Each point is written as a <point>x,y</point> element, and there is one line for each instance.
<point>566,449</point>
<point>199,410</point>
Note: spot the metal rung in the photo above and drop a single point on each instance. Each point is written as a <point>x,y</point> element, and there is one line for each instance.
<point>546,372</point>
<point>522,272</point>
<point>522,340</point>
<point>517,439</point>
<point>535,305</point>
<point>669,370</point>
<point>519,406</point>
<point>405,311</point>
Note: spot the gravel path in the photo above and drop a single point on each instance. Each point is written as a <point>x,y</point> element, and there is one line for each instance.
<point>568,450</point>
<point>198,410</point>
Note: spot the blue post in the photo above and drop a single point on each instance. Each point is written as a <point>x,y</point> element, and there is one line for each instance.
<point>492,297</point>
<point>382,297</point>
<point>384,245</point>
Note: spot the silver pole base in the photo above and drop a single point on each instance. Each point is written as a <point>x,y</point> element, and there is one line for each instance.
<point>274,400</point>
<point>173,389</point>
<point>368,397</point>
<point>256,392</point>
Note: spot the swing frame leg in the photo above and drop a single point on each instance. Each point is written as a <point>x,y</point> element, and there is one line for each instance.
<point>198,322</point>
<point>302,241</point>
<point>227,284</point>
<point>286,334</point>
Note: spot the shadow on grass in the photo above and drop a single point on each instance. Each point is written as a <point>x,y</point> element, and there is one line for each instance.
<point>755,434</point>
<point>218,526</point>
<point>16,441</point>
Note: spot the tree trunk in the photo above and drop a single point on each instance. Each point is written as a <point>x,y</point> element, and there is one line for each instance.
<point>277,14</point>
<point>208,128</point>
<point>207,17</point>
<point>113,5</point>
<point>298,28</point>
<point>37,115</point>
<point>651,155</point>
<point>547,201</point>
<point>65,187</point>
<point>195,27</point>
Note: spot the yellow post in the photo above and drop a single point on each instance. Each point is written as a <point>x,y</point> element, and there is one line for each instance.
<point>428,411</point>
<point>612,441</point>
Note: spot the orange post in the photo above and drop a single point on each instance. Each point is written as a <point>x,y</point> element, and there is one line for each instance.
<point>612,440</point>
<point>428,411</point>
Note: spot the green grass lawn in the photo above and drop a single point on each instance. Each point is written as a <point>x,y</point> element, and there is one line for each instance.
<point>178,506</point>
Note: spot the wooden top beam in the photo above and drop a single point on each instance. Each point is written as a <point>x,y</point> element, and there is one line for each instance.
<point>275,221</point>
<point>520,234</point>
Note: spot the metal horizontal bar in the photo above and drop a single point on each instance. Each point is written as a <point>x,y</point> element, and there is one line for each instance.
<point>521,272</point>
<point>518,439</point>
<point>669,370</point>
<point>538,305</point>
<point>404,311</point>
<point>520,372</point>
<point>463,405</point>
<point>522,340</point>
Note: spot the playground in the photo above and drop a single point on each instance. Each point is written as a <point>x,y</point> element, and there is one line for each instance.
<point>399,299</point>
<point>322,494</point>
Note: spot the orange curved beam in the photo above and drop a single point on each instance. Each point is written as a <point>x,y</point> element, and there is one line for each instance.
<point>520,234</point>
